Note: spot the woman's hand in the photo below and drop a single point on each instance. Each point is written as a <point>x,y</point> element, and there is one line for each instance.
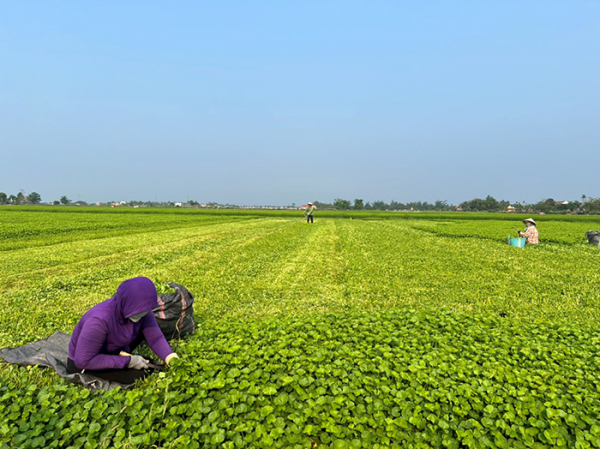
<point>171,357</point>
<point>138,362</point>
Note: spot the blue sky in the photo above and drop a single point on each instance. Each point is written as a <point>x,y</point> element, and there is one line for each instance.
<point>282,102</point>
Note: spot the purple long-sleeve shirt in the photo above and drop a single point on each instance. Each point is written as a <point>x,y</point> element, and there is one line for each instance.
<point>105,329</point>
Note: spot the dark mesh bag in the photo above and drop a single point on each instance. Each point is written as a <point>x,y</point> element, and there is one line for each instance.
<point>593,237</point>
<point>175,312</point>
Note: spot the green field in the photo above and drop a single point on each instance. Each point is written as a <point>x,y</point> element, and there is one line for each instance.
<point>362,330</point>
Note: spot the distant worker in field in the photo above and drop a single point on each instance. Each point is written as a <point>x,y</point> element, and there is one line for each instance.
<point>309,213</point>
<point>531,233</point>
<point>106,333</point>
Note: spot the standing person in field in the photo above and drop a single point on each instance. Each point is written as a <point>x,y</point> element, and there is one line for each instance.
<point>309,213</point>
<point>531,233</point>
<point>110,330</point>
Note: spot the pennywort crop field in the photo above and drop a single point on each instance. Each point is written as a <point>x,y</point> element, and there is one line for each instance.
<point>383,330</point>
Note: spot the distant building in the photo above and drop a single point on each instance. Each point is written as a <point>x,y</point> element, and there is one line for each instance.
<point>178,204</point>
<point>561,203</point>
<point>510,209</point>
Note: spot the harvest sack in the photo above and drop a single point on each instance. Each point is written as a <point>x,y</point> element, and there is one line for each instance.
<point>593,237</point>
<point>175,312</point>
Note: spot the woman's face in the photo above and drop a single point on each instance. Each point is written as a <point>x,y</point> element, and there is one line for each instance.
<point>138,316</point>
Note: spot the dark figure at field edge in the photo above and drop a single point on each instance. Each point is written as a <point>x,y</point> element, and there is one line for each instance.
<point>106,333</point>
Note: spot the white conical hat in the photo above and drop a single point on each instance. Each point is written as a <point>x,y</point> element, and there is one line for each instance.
<point>530,219</point>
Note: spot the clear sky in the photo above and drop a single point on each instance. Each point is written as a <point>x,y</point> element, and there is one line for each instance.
<point>287,101</point>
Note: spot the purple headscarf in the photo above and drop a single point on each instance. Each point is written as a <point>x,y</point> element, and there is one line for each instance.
<point>134,296</point>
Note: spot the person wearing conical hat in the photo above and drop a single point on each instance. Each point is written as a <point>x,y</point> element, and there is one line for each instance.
<point>531,233</point>
<point>309,212</point>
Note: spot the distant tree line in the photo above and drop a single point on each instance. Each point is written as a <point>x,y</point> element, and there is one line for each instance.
<point>587,205</point>
<point>360,204</point>
<point>489,204</point>
<point>20,198</point>
<point>32,198</point>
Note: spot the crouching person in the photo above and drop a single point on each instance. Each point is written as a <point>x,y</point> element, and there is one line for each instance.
<point>531,233</point>
<point>117,326</point>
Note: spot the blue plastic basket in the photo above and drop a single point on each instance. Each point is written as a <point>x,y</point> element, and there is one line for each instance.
<point>519,242</point>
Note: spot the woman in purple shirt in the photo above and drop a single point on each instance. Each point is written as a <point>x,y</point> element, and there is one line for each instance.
<point>116,326</point>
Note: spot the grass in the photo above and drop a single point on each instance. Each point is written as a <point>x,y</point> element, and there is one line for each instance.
<point>255,271</point>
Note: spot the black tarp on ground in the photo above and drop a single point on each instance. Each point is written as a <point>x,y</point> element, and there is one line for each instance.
<point>53,352</point>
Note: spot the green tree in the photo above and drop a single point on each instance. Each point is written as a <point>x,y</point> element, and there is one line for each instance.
<point>64,200</point>
<point>13,200</point>
<point>441,205</point>
<point>3,198</point>
<point>379,205</point>
<point>419,205</point>
<point>474,205</point>
<point>359,204</point>
<point>21,199</point>
<point>394,205</point>
<point>34,198</point>
<point>544,205</point>
<point>323,206</point>
<point>56,202</point>
<point>592,205</point>
<point>341,204</point>
<point>491,204</point>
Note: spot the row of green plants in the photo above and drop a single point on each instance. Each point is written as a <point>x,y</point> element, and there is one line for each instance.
<point>476,331</point>
<point>279,266</point>
<point>404,379</point>
<point>273,265</point>
<point>23,229</point>
<point>350,214</point>
<point>551,231</point>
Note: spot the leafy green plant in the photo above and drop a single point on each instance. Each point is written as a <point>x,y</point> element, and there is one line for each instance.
<point>394,379</point>
<point>370,333</point>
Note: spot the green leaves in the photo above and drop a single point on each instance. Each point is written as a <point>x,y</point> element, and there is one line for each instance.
<point>270,390</point>
<point>354,334</point>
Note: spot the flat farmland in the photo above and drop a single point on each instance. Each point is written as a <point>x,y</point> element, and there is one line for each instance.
<point>361,330</point>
